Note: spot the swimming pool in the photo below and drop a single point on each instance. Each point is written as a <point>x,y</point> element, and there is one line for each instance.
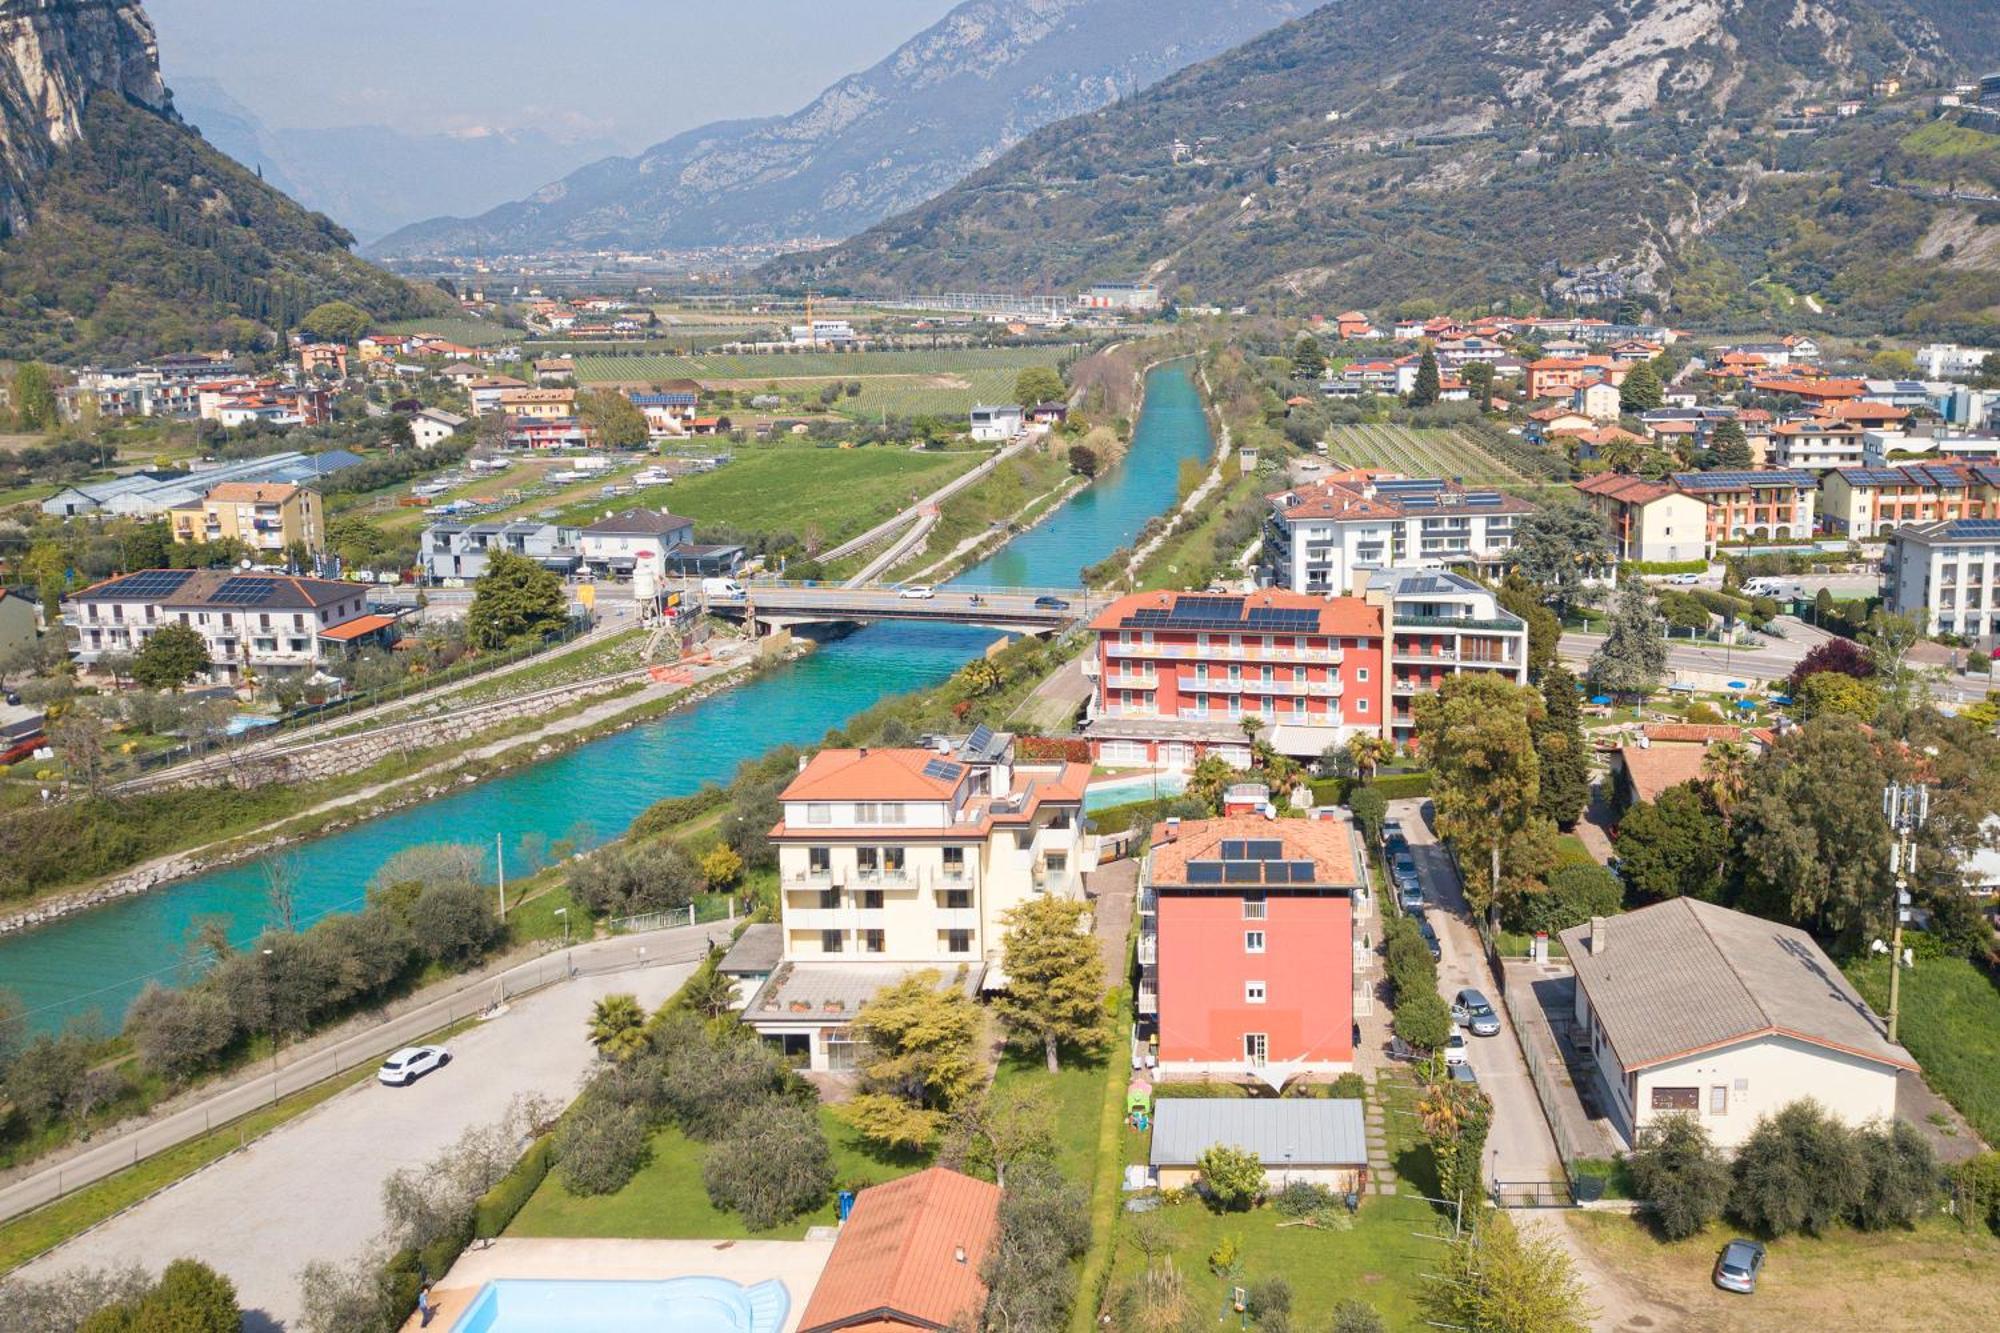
<point>683,1304</point>
<point>1123,791</point>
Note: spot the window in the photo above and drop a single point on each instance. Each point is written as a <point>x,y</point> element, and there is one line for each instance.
<point>1058,862</point>
<point>1253,992</point>
<point>1253,941</point>
<point>830,941</point>
<point>829,899</point>
<point>1718,1101</point>
<point>1676,1099</point>
<point>1256,1048</point>
<point>819,812</point>
<point>958,899</point>
<point>1253,907</point>
<point>819,860</point>
<point>870,899</point>
<point>958,941</point>
<point>954,863</point>
<point>872,941</point>
<point>1360,705</point>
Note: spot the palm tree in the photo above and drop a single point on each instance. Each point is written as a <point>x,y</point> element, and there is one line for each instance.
<point>1369,752</point>
<point>1726,768</point>
<point>709,993</point>
<point>618,1027</point>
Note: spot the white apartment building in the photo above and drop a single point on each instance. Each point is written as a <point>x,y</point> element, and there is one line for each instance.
<point>996,424</point>
<point>899,860</point>
<point>1949,361</point>
<point>1817,446</point>
<point>1947,577</point>
<point>252,623</point>
<point>1328,537</point>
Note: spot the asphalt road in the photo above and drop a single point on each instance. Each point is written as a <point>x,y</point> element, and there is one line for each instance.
<point>1519,1147</point>
<point>312,1189</point>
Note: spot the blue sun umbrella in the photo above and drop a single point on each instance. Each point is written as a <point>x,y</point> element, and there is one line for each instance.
<point>1738,685</point>
<point>1748,705</point>
<point>1600,698</point>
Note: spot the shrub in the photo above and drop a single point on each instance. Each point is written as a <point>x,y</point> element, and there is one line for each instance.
<point>1030,1273</point>
<point>707,1082</point>
<point>1233,1177</point>
<point>1800,1170</point>
<point>1899,1176</point>
<point>1575,894</point>
<point>627,881</point>
<point>1369,807</point>
<point>498,1206</point>
<point>1681,1174</point>
<point>1270,1296</point>
<point>454,924</point>
<point>1978,662</point>
<point>1422,1020</point>
<point>190,1297</point>
<point>1349,1086</point>
<point>1402,786</point>
<point>775,1165</point>
<point>600,1146</point>
<point>1977,1181</point>
<point>1352,1316</point>
<point>1302,1198</point>
<point>179,1033</point>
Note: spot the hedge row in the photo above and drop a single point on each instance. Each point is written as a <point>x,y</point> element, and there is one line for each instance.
<point>1666,566</point>
<point>1393,786</point>
<point>407,1269</point>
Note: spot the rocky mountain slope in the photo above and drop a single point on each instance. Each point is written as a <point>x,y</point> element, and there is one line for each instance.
<point>122,233</point>
<point>946,103</point>
<point>1658,152</point>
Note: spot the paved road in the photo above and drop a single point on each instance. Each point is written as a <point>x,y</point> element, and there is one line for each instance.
<point>792,602</point>
<point>1519,1147</point>
<point>312,1189</point>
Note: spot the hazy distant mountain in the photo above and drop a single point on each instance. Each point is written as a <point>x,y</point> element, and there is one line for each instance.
<point>373,179</point>
<point>941,106</point>
<point>1680,155</point>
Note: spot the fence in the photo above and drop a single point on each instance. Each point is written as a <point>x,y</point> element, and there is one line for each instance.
<point>694,914</point>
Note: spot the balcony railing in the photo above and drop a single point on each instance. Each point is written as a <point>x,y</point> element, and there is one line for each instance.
<point>1216,652</point>
<point>956,918</point>
<point>1119,680</point>
<point>836,918</point>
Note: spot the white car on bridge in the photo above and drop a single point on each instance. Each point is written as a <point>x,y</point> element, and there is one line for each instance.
<point>917,592</point>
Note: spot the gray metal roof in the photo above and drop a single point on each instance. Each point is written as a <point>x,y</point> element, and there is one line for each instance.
<point>757,949</point>
<point>1684,976</point>
<point>1301,1131</point>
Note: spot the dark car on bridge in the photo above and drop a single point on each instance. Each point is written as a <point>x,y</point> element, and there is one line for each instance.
<point>1051,604</point>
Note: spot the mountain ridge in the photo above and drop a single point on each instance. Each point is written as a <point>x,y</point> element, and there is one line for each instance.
<point>941,105</point>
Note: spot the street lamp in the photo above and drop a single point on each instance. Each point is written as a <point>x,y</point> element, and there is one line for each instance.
<point>563,912</point>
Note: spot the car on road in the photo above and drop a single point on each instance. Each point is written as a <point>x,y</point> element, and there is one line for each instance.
<point>1046,603</point>
<point>1737,1267</point>
<point>1430,938</point>
<point>1410,897</point>
<point>1462,1073</point>
<point>1455,1047</point>
<point>1685,580</point>
<point>917,592</point>
<point>1473,1010</point>
<point>1404,867</point>
<point>412,1063</point>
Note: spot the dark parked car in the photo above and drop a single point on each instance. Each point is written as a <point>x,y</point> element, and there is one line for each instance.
<point>1737,1267</point>
<point>1046,603</point>
<point>1462,1073</point>
<point>1430,938</point>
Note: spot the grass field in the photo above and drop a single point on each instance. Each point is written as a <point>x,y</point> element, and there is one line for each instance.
<point>945,382</point>
<point>1950,1022</point>
<point>1418,453</point>
<point>828,494</point>
<point>461,329</point>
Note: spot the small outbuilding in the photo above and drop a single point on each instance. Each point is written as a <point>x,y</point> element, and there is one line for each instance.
<point>1320,1140</point>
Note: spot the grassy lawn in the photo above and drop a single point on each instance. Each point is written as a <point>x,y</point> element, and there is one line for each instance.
<point>1078,1090</point>
<point>667,1199</point>
<point>994,498</point>
<point>1934,1277</point>
<point>1951,1023</point>
<point>831,493</point>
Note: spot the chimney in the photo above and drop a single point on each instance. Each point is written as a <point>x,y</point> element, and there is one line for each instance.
<point>864,752</point>
<point>958,1254</point>
<point>1599,941</point>
<point>802,763</point>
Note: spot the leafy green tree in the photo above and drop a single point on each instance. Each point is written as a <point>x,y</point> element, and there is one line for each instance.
<point>1425,392</point>
<point>1889,638</point>
<point>1421,1019</point>
<point>1083,460</point>
<point>455,923</point>
<point>1456,1118</point>
<point>34,397</point>
<point>618,1027</point>
<point>1673,846</point>
<point>514,599</point>
<point>1633,656</point>
<point>1681,1174</point>
<point>1811,845</point>
<point>1800,1170</point>
<point>1370,809</point>
<point>171,656</point>
<point>1730,446</point>
<point>190,1297</point>
<point>1837,693</point>
<point>1557,547</point>
<point>1210,777</point>
<point>336,322</point>
<point>600,1145</point>
<point>1030,1273</point>
<point>1575,893</point>
<point>1478,376</point>
<point>921,1062</point>
<point>1495,1280</point>
<point>1055,977</point>
<point>1477,731</point>
<point>1642,390</point>
<point>722,867</point>
<point>1560,750</point>
<point>1232,1177</point>
<point>772,1166</point>
<point>1037,385</point>
<point>1523,599</point>
<point>1901,1176</point>
<point>612,419</point>
<point>1308,358</point>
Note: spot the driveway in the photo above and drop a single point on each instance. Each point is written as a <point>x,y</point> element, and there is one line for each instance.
<point>1519,1146</point>
<point>313,1188</point>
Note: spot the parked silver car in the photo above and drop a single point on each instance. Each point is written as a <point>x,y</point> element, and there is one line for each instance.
<point>1475,1013</point>
<point>1737,1267</point>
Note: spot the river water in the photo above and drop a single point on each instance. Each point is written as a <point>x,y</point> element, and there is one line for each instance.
<point>96,961</point>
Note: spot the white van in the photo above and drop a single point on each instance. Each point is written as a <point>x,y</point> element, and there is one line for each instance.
<point>728,589</point>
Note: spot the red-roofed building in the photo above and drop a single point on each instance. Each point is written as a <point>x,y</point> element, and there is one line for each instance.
<point>1812,390</point>
<point>1176,674</point>
<point>908,1257</point>
<point>1353,325</point>
<point>1650,520</point>
<point>1246,948</point>
<point>1560,376</point>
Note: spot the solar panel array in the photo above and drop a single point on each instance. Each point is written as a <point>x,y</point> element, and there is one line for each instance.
<point>1737,481</point>
<point>1199,613</point>
<point>245,590</point>
<point>1252,849</point>
<point>943,770</point>
<point>1916,474</point>
<point>983,743</point>
<point>1250,872</point>
<point>150,583</point>
<point>1974,529</point>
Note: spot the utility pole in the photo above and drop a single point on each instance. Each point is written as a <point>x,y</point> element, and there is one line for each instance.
<point>1907,806</point>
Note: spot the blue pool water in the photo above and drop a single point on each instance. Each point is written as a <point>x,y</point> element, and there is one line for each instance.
<point>1123,791</point>
<point>681,1304</point>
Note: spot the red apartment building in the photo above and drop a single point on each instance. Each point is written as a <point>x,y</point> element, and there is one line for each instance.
<point>1246,948</point>
<point>1176,673</point>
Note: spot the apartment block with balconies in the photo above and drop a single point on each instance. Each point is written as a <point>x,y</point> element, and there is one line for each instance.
<point>253,624</point>
<point>1329,536</point>
<point>1440,625</point>
<point>267,517</point>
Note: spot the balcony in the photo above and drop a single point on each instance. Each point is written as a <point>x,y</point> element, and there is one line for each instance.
<point>1149,999</point>
<point>956,918</point>
<point>1127,711</point>
<point>822,876</point>
<point>1149,950</point>
<point>835,918</point>
<point>1119,680</point>
<point>1218,652</point>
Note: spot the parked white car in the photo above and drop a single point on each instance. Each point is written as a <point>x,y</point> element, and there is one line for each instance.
<point>412,1063</point>
<point>917,592</point>
<point>1454,1049</point>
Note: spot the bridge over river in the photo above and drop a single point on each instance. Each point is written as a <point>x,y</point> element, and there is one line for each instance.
<point>775,605</point>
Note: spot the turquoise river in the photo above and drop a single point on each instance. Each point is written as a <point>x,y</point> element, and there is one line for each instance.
<point>95,962</point>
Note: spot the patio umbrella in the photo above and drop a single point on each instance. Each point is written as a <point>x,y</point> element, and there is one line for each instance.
<point>1748,705</point>
<point>1600,698</point>
<point>1738,685</point>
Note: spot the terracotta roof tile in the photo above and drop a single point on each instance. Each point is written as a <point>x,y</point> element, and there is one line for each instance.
<point>896,1263</point>
<point>1325,842</point>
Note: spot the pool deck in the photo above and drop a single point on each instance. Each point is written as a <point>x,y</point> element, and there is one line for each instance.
<point>796,1263</point>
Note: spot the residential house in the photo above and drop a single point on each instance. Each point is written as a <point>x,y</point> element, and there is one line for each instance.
<point>1320,1140</point>
<point>539,404</point>
<point>1597,399</point>
<point>1353,326</point>
<point>1949,361</point>
<point>669,413</point>
<point>1327,536</point>
<point>1817,445</point>
<point>267,517</point>
<point>908,1257</point>
<point>323,358</point>
<point>1816,392</point>
<point>619,543</point>
<point>487,392</point>
<point>1246,947</point>
<point>547,433</point>
<point>1946,576</point>
<point>1665,755</point>
<point>17,622</point>
<point>1649,520</point>
<point>555,370</point>
<point>1774,505</point>
<point>1689,1008</point>
<point>996,424</point>
<point>1048,415</point>
<point>1558,419</point>
<point>1560,376</point>
<point>433,426</point>
<point>1441,625</point>
<point>752,960</point>
<point>1874,501</point>
<point>253,623</point>
<point>1176,673</point>
<point>897,861</point>
<point>453,550</point>
<point>463,373</point>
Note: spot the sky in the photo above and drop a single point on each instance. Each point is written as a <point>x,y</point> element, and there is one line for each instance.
<point>632,72</point>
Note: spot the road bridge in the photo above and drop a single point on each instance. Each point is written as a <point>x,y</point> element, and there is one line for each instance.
<point>776,605</point>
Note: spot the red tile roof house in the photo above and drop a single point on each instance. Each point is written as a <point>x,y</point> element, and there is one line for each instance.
<point>1246,948</point>
<point>908,1257</point>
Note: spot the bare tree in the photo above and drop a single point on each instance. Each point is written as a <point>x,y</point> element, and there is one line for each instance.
<point>281,893</point>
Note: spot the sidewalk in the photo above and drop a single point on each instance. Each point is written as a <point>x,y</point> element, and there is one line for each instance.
<point>331,1054</point>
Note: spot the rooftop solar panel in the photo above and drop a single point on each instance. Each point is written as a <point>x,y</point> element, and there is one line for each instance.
<point>1302,872</point>
<point>943,770</point>
<point>1204,872</point>
<point>1242,872</point>
<point>1263,849</point>
<point>1975,529</point>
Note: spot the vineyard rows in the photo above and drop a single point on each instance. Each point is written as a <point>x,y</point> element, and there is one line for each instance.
<point>959,362</point>
<point>1418,453</point>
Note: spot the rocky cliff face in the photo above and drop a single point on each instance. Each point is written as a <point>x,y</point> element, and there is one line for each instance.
<point>945,104</point>
<point>53,55</point>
